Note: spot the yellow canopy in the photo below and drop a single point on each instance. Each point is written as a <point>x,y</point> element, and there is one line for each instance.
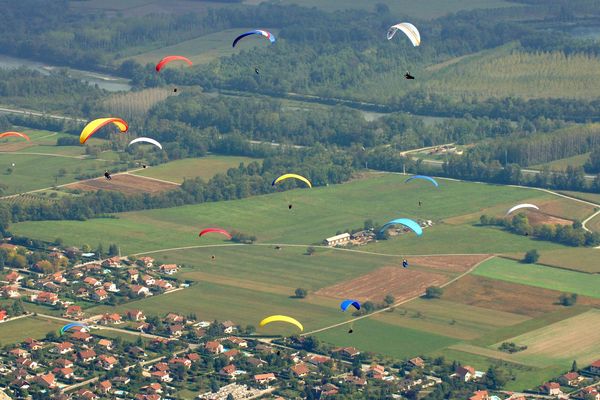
<point>281,318</point>
<point>95,125</point>
<point>295,176</point>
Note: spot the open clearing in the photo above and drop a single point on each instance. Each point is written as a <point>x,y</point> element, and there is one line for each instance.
<point>576,259</point>
<point>576,338</point>
<point>189,168</point>
<point>124,183</point>
<point>458,264</point>
<point>540,276</point>
<point>20,329</point>
<point>563,163</point>
<point>402,283</point>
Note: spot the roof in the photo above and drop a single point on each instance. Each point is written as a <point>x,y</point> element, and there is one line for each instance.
<point>228,369</point>
<point>479,395</point>
<point>551,385</point>
<point>262,377</point>
<point>570,376</point>
<point>300,369</point>
<point>104,342</point>
<point>338,237</point>
<point>596,364</point>
<point>462,370</point>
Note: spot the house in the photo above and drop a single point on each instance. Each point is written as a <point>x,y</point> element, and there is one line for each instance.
<point>589,392</point>
<point>104,387</point>
<point>162,284</point>
<point>145,261</point>
<point>63,348</point>
<point>46,380</point>
<point>139,290</point>
<point>86,394</point>
<point>551,388</point>
<point>11,292</point>
<point>318,360</point>
<point>256,362</point>
<point>595,367</point>
<point>417,362</point>
<point>113,262</point>
<point>329,389</point>
<point>18,353</point>
<point>63,363</point>
<point>465,373</point>
<point>3,315</point>
<point>51,287</point>
<point>135,315</point>
<point>13,277</point>
<point>356,380</point>
<point>193,357</point>
<point>377,370</point>
<point>55,255</point>
<point>300,370</point>
<point>93,282</point>
<point>231,354</point>
<point>176,330</point>
<point>228,371</point>
<point>20,384</point>
<point>82,336</point>
<point>110,287</point>
<point>9,248</point>
<point>228,326</point>
<point>349,352</point>
<point>107,362</point>
<point>45,298</point>
<point>87,356</point>
<point>133,275</point>
<point>237,341</point>
<point>163,376</point>
<point>82,292</point>
<point>99,295</point>
<point>73,312</point>
<point>32,344</point>
<point>65,373</point>
<point>142,327</point>
<point>168,269</point>
<point>173,318</point>
<point>137,352</point>
<point>480,395</point>
<point>111,319</point>
<point>213,347</point>
<point>23,362</point>
<point>570,379</point>
<point>58,277</point>
<point>107,344</point>
<point>263,379</point>
<point>148,280</point>
<point>337,240</point>
<point>161,366</point>
<point>183,361</point>
<point>152,388</point>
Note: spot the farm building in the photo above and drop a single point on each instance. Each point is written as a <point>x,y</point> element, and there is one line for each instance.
<point>337,240</point>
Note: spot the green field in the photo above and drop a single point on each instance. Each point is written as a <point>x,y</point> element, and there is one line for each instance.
<point>540,276</point>
<point>316,215</point>
<point>563,163</point>
<point>577,259</point>
<point>189,168</point>
<point>203,49</point>
<point>35,327</point>
<point>426,9</point>
<point>592,197</point>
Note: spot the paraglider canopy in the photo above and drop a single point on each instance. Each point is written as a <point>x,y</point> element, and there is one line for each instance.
<point>291,176</point>
<point>72,325</point>
<point>93,126</point>
<point>15,134</point>
<point>215,230</point>
<point>260,32</point>
<point>409,223</point>
<point>409,30</point>
<point>520,206</point>
<point>427,178</point>
<point>281,318</point>
<point>347,303</point>
<point>146,140</point>
<point>169,59</point>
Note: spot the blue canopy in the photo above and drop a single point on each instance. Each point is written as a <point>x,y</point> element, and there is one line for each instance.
<point>347,303</point>
<point>427,178</point>
<point>409,223</point>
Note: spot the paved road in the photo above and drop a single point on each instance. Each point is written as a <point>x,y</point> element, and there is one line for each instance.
<point>39,114</point>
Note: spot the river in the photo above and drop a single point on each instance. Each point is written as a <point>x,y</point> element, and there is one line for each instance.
<point>106,82</point>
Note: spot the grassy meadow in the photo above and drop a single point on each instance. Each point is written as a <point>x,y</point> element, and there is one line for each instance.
<point>35,327</point>
<point>189,168</point>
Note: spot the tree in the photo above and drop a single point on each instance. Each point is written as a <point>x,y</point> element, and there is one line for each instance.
<point>18,308</point>
<point>389,300</point>
<point>230,397</point>
<point>301,293</point>
<point>310,250</point>
<point>574,367</point>
<point>113,250</point>
<point>433,292</point>
<point>531,257</point>
<point>568,300</point>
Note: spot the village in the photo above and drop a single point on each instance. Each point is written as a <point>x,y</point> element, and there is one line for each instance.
<point>133,355</point>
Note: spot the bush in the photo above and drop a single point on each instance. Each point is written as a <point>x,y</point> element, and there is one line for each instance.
<point>531,257</point>
<point>568,300</point>
<point>301,293</point>
<point>433,292</point>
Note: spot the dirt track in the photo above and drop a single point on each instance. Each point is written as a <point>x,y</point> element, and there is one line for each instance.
<point>124,183</point>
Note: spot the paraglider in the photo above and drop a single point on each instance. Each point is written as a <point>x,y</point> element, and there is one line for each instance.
<point>15,134</point>
<point>169,59</point>
<point>260,32</point>
<point>405,263</point>
<point>146,140</point>
<point>290,176</point>
<point>257,71</point>
<point>423,177</point>
<point>215,230</point>
<point>520,206</point>
<point>107,175</point>
<point>65,328</point>
<point>281,318</point>
<point>407,75</point>
<point>409,223</point>
<point>347,303</point>
<point>409,30</point>
<point>93,126</point>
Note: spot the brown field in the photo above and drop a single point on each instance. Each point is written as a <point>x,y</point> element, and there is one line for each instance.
<point>401,283</point>
<point>564,208</point>
<point>14,146</point>
<point>537,218</point>
<point>458,264</point>
<point>507,296</point>
<point>124,183</point>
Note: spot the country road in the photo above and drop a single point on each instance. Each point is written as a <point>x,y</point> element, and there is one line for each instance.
<point>6,110</point>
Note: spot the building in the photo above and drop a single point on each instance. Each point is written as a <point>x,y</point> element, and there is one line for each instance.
<point>10,292</point>
<point>480,395</point>
<point>551,388</point>
<point>263,379</point>
<point>595,367</point>
<point>337,240</point>
<point>570,379</point>
<point>168,269</point>
<point>300,370</point>
<point>465,373</point>
<point>45,298</point>
<point>213,347</point>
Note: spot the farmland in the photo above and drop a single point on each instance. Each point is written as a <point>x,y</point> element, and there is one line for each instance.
<point>34,327</point>
<point>537,275</point>
<point>124,183</point>
<point>562,164</point>
<point>316,215</point>
<point>189,168</point>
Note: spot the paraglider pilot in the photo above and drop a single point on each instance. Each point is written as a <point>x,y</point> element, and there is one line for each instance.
<point>405,263</point>
<point>407,75</point>
<point>289,207</point>
<point>107,175</point>
<point>257,71</point>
